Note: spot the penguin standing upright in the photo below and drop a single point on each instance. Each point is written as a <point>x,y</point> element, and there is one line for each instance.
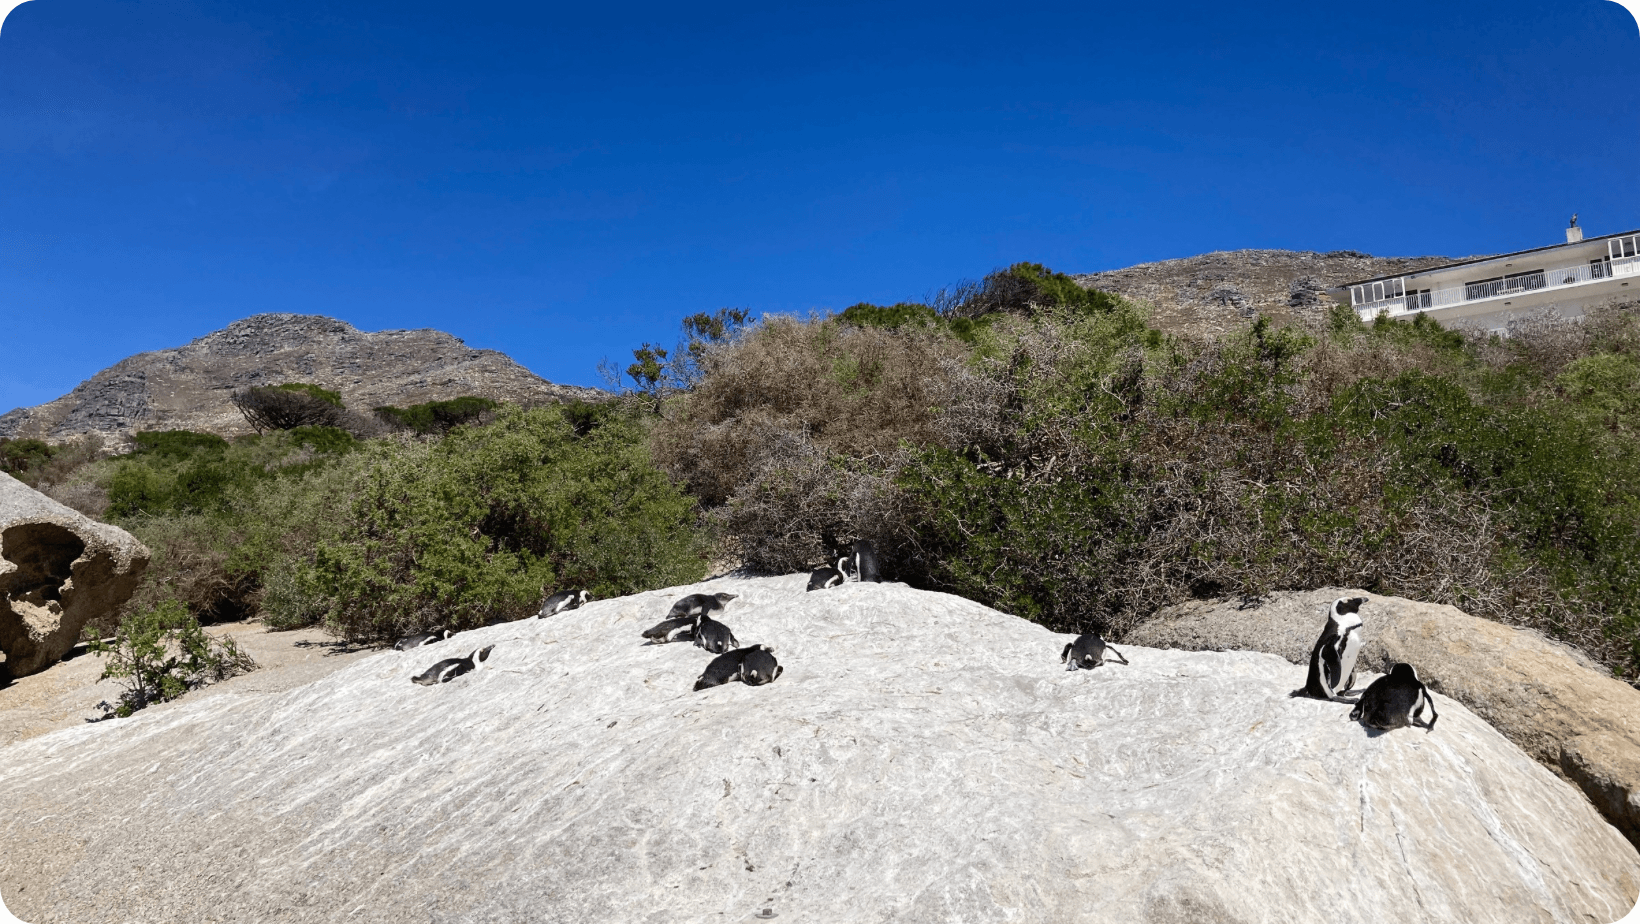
<point>866,568</point>
<point>1395,700</point>
<point>1332,661</point>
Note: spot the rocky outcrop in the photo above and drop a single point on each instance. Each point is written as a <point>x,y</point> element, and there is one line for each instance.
<point>58,568</point>
<point>1216,293</point>
<point>187,388</point>
<point>1550,699</point>
<point>923,758</point>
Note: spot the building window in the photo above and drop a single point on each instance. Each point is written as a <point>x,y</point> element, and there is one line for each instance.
<point>1524,282</point>
<point>1619,247</point>
<point>1482,288</point>
<point>1417,299</point>
<point>1600,269</point>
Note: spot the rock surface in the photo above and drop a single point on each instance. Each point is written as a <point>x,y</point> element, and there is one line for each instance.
<point>187,387</point>
<point>1215,293</point>
<point>58,568</point>
<point>1549,699</point>
<point>923,758</point>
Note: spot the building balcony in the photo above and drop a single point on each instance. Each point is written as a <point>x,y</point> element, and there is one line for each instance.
<point>1552,281</point>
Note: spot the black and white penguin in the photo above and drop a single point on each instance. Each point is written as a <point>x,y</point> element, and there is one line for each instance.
<point>865,563</point>
<point>661,632</point>
<point>828,576</point>
<point>451,668</point>
<point>699,604</point>
<point>1332,662</point>
<point>562,601</point>
<point>1087,653</point>
<point>759,666</point>
<point>736,665</point>
<point>1395,700</point>
<point>713,636</point>
<point>424,638</point>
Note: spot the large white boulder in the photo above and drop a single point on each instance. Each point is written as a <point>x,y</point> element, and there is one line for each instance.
<point>923,758</point>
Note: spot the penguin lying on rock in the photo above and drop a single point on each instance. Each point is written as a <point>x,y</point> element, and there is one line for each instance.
<point>753,666</point>
<point>698,604</point>
<point>451,668</point>
<point>424,638</point>
<point>828,576</point>
<point>713,636</point>
<point>1088,652</point>
<point>661,632</point>
<point>1395,700</point>
<point>562,601</point>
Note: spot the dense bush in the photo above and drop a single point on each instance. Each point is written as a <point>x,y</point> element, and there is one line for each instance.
<point>20,457</point>
<point>1070,465</point>
<point>286,407</point>
<point>473,528</point>
<point>437,416</point>
<point>162,653</point>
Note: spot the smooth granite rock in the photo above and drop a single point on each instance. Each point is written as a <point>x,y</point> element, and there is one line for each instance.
<point>922,759</point>
<point>1561,707</point>
<point>58,568</point>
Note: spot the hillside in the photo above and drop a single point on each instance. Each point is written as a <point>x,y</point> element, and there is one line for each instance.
<point>187,387</point>
<point>1215,293</point>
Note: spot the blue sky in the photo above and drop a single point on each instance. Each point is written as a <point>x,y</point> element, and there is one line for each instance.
<point>563,182</point>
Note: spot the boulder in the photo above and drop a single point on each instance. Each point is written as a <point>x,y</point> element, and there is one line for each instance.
<point>1553,701</point>
<point>58,569</point>
<point>922,759</point>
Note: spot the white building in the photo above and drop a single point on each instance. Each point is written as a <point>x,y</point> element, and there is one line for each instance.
<point>1570,277</point>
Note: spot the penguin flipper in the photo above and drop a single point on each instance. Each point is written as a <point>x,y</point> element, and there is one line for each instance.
<point>1118,654</point>
<point>1066,654</point>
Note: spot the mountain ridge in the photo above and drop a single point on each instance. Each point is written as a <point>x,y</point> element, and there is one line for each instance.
<point>188,387</point>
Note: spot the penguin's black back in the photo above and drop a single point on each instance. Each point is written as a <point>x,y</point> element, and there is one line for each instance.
<point>866,566</point>
<point>759,666</point>
<point>721,669</point>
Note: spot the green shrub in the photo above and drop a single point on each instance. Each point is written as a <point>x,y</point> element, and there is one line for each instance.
<point>20,457</point>
<point>177,444</point>
<point>162,653</point>
<point>472,528</point>
<point>333,398</point>
<point>437,416</point>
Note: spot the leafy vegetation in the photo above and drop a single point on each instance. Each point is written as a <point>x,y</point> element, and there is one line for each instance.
<point>437,416</point>
<point>473,528</point>
<point>1063,461</point>
<point>289,406</point>
<point>161,653</point>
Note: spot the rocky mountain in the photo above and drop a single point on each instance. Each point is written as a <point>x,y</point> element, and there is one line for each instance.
<point>187,387</point>
<point>922,758</point>
<point>1218,292</point>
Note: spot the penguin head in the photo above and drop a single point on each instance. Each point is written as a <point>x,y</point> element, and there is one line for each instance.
<point>1404,673</point>
<point>582,598</point>
<point>481,655</point>
<point>1348,605</point>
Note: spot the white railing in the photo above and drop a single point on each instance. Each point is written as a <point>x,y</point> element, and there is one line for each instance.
<point>1579,274</point>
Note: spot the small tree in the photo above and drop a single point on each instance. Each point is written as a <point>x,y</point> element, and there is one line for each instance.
<point>286,407</point>
<point>161,654</point>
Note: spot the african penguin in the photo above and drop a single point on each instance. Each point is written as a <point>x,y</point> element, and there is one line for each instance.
<point>827,576</point>
<point>866,567</point>
<point>756,662</point>
<point>1395,700</point>
<point>759,666</point>
<point>1332,662</point>
<point>561,601</point>
<point>698,604</point>
<point>451,668</point>
<point>1087,653</point>
<point>661,632</point>
<point>713,636</point>
<point>424,638</point>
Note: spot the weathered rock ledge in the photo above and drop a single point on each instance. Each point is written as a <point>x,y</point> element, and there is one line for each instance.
<point>923,758</point>
<point>58,569</point>
<point>1559,706</point>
